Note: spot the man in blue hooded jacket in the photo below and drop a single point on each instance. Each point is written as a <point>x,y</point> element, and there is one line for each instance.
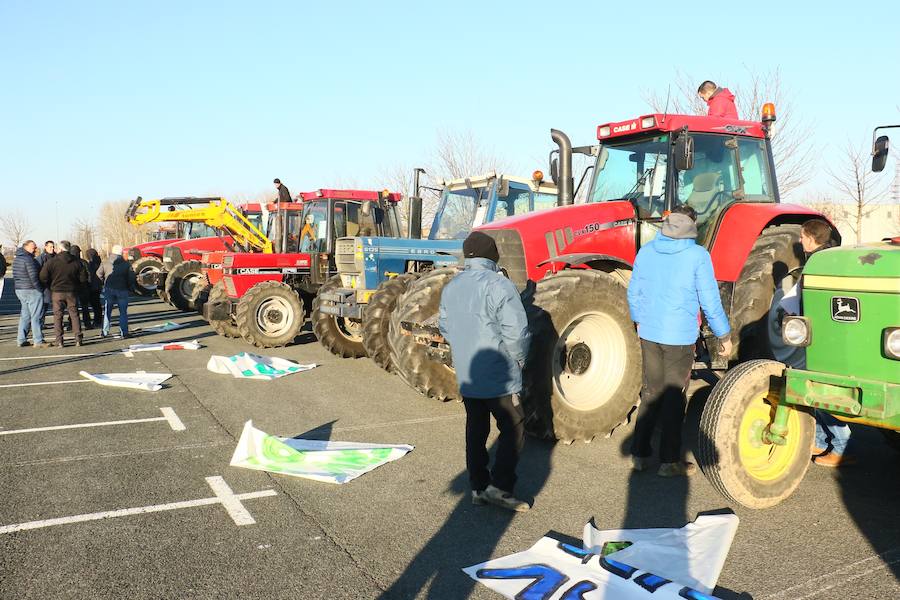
<point>672,280</point>
<point>482,317</point>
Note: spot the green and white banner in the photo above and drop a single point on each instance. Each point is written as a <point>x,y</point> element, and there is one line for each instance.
<point>331,462</point>
<point>254,366</point>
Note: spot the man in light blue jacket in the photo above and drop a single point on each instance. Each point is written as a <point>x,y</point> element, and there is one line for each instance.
<point>672,280</point>
<point>483,319</point>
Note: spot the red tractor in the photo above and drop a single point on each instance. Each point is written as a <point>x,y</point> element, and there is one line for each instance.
<point>213,286</point>
<point>573,264</point>
<point>267,294</point>
<point>146,258</point>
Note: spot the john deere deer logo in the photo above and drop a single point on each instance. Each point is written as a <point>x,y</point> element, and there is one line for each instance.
<point>845,309</point>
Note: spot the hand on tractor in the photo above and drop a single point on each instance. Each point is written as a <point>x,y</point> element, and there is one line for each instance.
<point>725,347</point>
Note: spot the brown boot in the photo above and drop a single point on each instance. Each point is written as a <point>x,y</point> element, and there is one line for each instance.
<point>834,460</point>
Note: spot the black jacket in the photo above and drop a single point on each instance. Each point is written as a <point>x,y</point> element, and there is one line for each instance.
<point>93,263</point>
<point>64,274</point>
<point>2,266</point>
<point>284,195</point>
<point>116,273</point>
<point>25,271</point>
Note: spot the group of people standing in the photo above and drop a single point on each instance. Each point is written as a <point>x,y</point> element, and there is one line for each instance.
<point>59,282</point>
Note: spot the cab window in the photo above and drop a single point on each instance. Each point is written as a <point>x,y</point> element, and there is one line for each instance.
<point>515,203</point>
<point>709,186</point>
<point>543,200</point>
<point>754,167</point>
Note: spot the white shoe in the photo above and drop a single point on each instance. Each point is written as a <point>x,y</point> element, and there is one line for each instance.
<point>498,497</point>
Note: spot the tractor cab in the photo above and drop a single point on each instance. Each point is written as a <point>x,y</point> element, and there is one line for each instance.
<point>657,162</point>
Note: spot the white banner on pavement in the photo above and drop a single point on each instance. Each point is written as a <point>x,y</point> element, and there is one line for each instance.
<point>622,564</point>
<point>194,345</point>
<point>254,366</point>
<point>140,380</point>
<point>320,460</point>
<point>693,555</point>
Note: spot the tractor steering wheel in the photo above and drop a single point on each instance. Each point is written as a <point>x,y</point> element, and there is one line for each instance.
<point>716,200</point>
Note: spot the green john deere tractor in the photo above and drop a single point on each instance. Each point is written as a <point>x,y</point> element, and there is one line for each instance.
<point>757,428</point>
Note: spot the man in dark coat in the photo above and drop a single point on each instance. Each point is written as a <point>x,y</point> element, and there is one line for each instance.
<point>284,195</point>
<point>64,275</point>
<point>83,294</point>
<point>30,293</point>
<point>94,285</point>
<point>118,279</point>
<point>45,256</point>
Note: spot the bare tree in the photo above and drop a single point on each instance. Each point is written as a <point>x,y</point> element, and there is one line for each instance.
<point>856,182</point>
<point>791,141</point>
<point>114,229</point>
<point>84,234</point>
<point>14,225</point>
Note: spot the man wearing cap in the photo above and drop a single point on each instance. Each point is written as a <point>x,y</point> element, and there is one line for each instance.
<point>671,281</point>
<point>118,278</point>
<point>284,195</point>
<point>482,317</point>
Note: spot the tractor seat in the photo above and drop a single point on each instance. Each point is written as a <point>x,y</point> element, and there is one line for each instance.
<point>706,186</point>
<point>352,229</point>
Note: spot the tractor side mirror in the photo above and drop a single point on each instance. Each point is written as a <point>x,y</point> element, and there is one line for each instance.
<point>684,152</point>
<point>366,209</point>
<point>554,170</point>
<point>880,153</point>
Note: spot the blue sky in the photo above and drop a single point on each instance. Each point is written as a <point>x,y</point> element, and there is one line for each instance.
<point>110,100</point>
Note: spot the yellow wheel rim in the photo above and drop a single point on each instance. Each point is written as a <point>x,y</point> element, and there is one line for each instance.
<point>762,461</point>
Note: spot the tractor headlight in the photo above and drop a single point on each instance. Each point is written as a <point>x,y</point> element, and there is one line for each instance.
<point>892,342</point>
<point>795,331</point>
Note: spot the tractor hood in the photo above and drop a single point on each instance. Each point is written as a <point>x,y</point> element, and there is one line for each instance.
<point>154,248</point>
<point>867,260</point>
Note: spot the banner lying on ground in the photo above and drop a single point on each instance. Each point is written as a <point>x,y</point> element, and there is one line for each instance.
<point>162,327</point>
<point>254,366</point>
<point>141,380</point>
<point>693,555</point>
<point>671,560</point>
<point>332,462</point>
<point>194,345</point>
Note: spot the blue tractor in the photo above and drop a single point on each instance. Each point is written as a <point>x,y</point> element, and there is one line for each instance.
<point>351,312</point>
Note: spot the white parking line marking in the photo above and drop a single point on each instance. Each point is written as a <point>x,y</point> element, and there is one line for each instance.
<point>230,502</point>
<point>17,385</point>
<point>169,416</point>
<point>43,356</point>
<point>828,581</point>
<point>224,494</point>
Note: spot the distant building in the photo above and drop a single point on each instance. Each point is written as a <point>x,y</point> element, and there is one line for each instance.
<point>879,221</point>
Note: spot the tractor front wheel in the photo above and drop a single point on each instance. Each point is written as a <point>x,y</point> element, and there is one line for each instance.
<point>270,315</point>
<point>420,305</point>
<point>227,328</point>
<point>340,335</point>
<point>377,319</point>
<point>583,374</point>
<point>183,283</point>
<point>733,452</point>
<point>144,267</point>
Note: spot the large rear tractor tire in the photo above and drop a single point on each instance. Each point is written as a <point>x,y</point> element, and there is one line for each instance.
<point>341,336</point>
<point>583,374</point>
<point>146,265</point>
<point>776,254</point>
<point>227,328</point>
<point>183,283</point>
<point>377,319</point>
<point>270,315</point>
<point>731,451</point>
<point>420,304</point>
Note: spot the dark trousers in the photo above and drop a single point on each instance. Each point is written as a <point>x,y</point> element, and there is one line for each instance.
<point>94,298</point>
<point>667,371</point>
<point>84,302</point>
<point>507,411</point>
<point>65,302</point>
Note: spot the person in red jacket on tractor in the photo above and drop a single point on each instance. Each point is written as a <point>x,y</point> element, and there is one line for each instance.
<point>719,100</point>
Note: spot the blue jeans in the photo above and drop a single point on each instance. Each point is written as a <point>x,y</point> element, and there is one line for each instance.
<point>831,432</point>
<point>113,298</point>
<point>32,302</point>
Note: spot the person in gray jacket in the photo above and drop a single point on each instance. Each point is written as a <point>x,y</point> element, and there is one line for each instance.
<point>118,279</point>
<point>482,317</point>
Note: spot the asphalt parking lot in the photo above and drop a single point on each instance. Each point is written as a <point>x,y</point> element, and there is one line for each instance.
<point>402,531</point>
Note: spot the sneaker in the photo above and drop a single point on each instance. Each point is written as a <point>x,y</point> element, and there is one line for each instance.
<point>79,344</point>
<point>678,469</point>
<point>478,498</point>
<point>22,344</point>
<point>640,463</point>
<point>498,497</point>
<point>835,460</point>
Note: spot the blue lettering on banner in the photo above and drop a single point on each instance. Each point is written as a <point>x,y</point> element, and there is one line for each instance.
<point>693,594</point>
<point>651,582</point>
<point>577,591</point>
<point>616,568</point>
<point>546,580</point>
<point>575,551</point>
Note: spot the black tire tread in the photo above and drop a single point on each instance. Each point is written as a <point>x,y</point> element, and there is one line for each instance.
<point>244,319</point>
<point>326,329</point>
<point>377,319</point>
<point>173,284</point>
<point>137,265</point>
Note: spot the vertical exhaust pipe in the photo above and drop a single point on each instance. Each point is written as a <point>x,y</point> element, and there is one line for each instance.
<point>414,214</point>
<point>566,184</point>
